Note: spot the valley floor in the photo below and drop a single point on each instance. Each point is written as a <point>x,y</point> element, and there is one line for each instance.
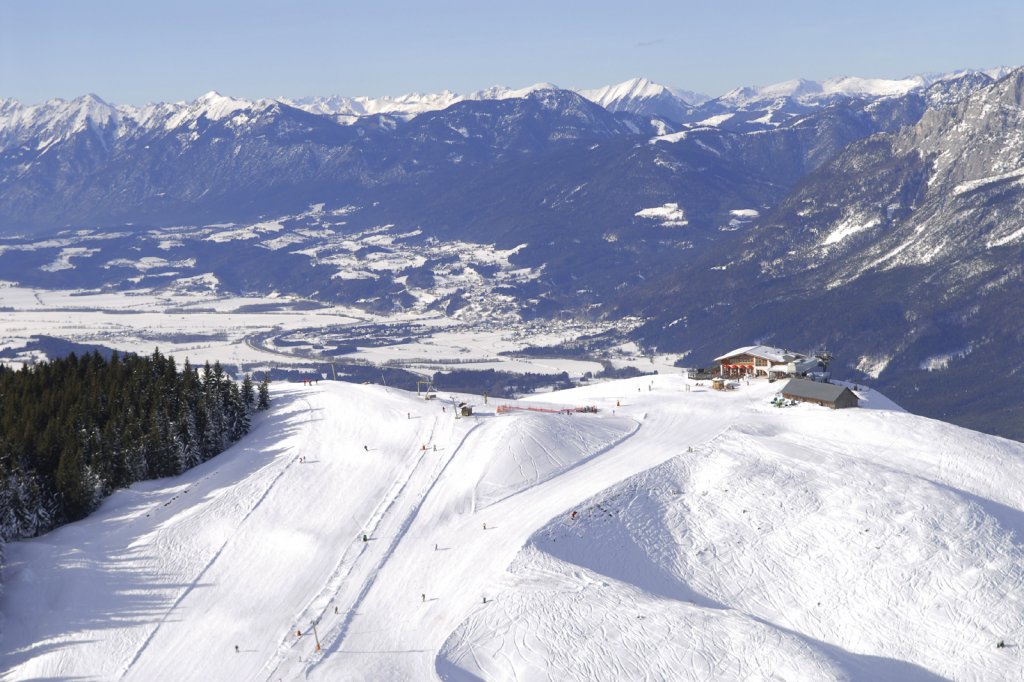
<point>677,533</point>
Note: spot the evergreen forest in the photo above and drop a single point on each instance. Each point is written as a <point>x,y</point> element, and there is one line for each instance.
<point>73,430</point>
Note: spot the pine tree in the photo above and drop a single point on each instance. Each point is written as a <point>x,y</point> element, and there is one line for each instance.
<point>9,502</point>
<point>248,393</point>
<point>189,451</point>
<point>237,413</point>
<point>264,393</point>
<point>74,484</point>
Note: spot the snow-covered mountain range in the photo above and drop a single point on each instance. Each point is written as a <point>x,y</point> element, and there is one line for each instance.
<point>809,91</point>
<point>746,216</point>
<point>677,532</point>
<point>19,121</point>
<point>348,109</point>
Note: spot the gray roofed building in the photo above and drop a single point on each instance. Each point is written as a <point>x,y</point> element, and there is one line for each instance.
<point>829,395</point>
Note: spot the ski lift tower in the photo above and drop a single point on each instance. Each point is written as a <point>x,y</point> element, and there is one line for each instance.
<point>425,389</point>
<point>825,357</point>
<point>328,360</point>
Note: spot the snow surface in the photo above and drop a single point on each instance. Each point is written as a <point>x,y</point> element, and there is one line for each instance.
<point>715,537</point>
<point>613,96</point>
<point>971,185</point>
<point>349,109</point>
<point>668,215</point>
<point>63,260</point>
<point>849,227</point>
<point>810,92</point>
<point>715,121</point>
<point>670,137</point>
<point>873,365</point>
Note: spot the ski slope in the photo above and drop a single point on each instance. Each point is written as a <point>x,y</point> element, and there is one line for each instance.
<point>715,537</point>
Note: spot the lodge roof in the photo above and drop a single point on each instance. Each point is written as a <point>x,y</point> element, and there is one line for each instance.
<point>813,390</point>
<point>767,352</point>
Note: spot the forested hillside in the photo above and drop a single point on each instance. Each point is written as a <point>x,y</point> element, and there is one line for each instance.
<point>75,429</point>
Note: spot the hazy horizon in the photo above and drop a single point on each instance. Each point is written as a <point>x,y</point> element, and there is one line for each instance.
<point>138,53</point>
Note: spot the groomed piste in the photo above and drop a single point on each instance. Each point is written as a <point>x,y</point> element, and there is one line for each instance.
<point>677,533</point>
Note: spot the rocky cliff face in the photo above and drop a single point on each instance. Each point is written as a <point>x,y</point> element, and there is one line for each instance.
<point>904,254</point>
<point>949,185</point>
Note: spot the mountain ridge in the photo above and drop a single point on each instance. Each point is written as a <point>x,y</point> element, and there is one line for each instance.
<point>624,96</point>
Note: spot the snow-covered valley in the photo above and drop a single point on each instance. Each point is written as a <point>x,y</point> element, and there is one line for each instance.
<point>678,533</point>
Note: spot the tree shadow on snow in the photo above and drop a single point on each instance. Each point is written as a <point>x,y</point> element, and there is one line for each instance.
<point>98,573</point>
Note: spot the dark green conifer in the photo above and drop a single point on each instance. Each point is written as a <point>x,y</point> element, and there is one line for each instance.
<point>248,393</point>
<point>264,393</point>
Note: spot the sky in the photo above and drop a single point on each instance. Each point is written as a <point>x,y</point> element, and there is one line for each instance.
<point>137,52</point>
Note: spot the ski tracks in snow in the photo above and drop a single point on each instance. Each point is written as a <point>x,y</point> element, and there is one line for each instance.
<point>291,461</point>
<point>360,563</point>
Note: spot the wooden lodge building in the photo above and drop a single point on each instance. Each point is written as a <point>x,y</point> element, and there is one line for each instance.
<point>828,395</point>
<point>765,361</point>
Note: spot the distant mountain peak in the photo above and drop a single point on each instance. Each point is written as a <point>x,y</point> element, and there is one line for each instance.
<point>616,97</point>
<point>631,89</point>
<point>216,106</point>
<point>503,92</point>
<point>809,91</point>
<point>643,97</point>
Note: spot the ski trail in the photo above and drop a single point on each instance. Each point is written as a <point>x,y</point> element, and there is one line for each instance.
<point>317,607</point>
<point>338,633</point>
<point>353,551</point>
<point>220,550</point>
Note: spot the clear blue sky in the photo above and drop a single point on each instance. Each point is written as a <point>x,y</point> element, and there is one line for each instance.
<point>142,51</point>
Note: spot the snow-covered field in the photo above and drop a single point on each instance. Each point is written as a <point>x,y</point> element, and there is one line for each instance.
<point>679,533</point>
<point>205,326</point>
<point>457,307</point>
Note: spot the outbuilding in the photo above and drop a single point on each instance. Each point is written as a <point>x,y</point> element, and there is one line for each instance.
<point>828,395</point>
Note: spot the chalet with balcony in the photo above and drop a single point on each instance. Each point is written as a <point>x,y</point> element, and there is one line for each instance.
<point>765,361</point>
